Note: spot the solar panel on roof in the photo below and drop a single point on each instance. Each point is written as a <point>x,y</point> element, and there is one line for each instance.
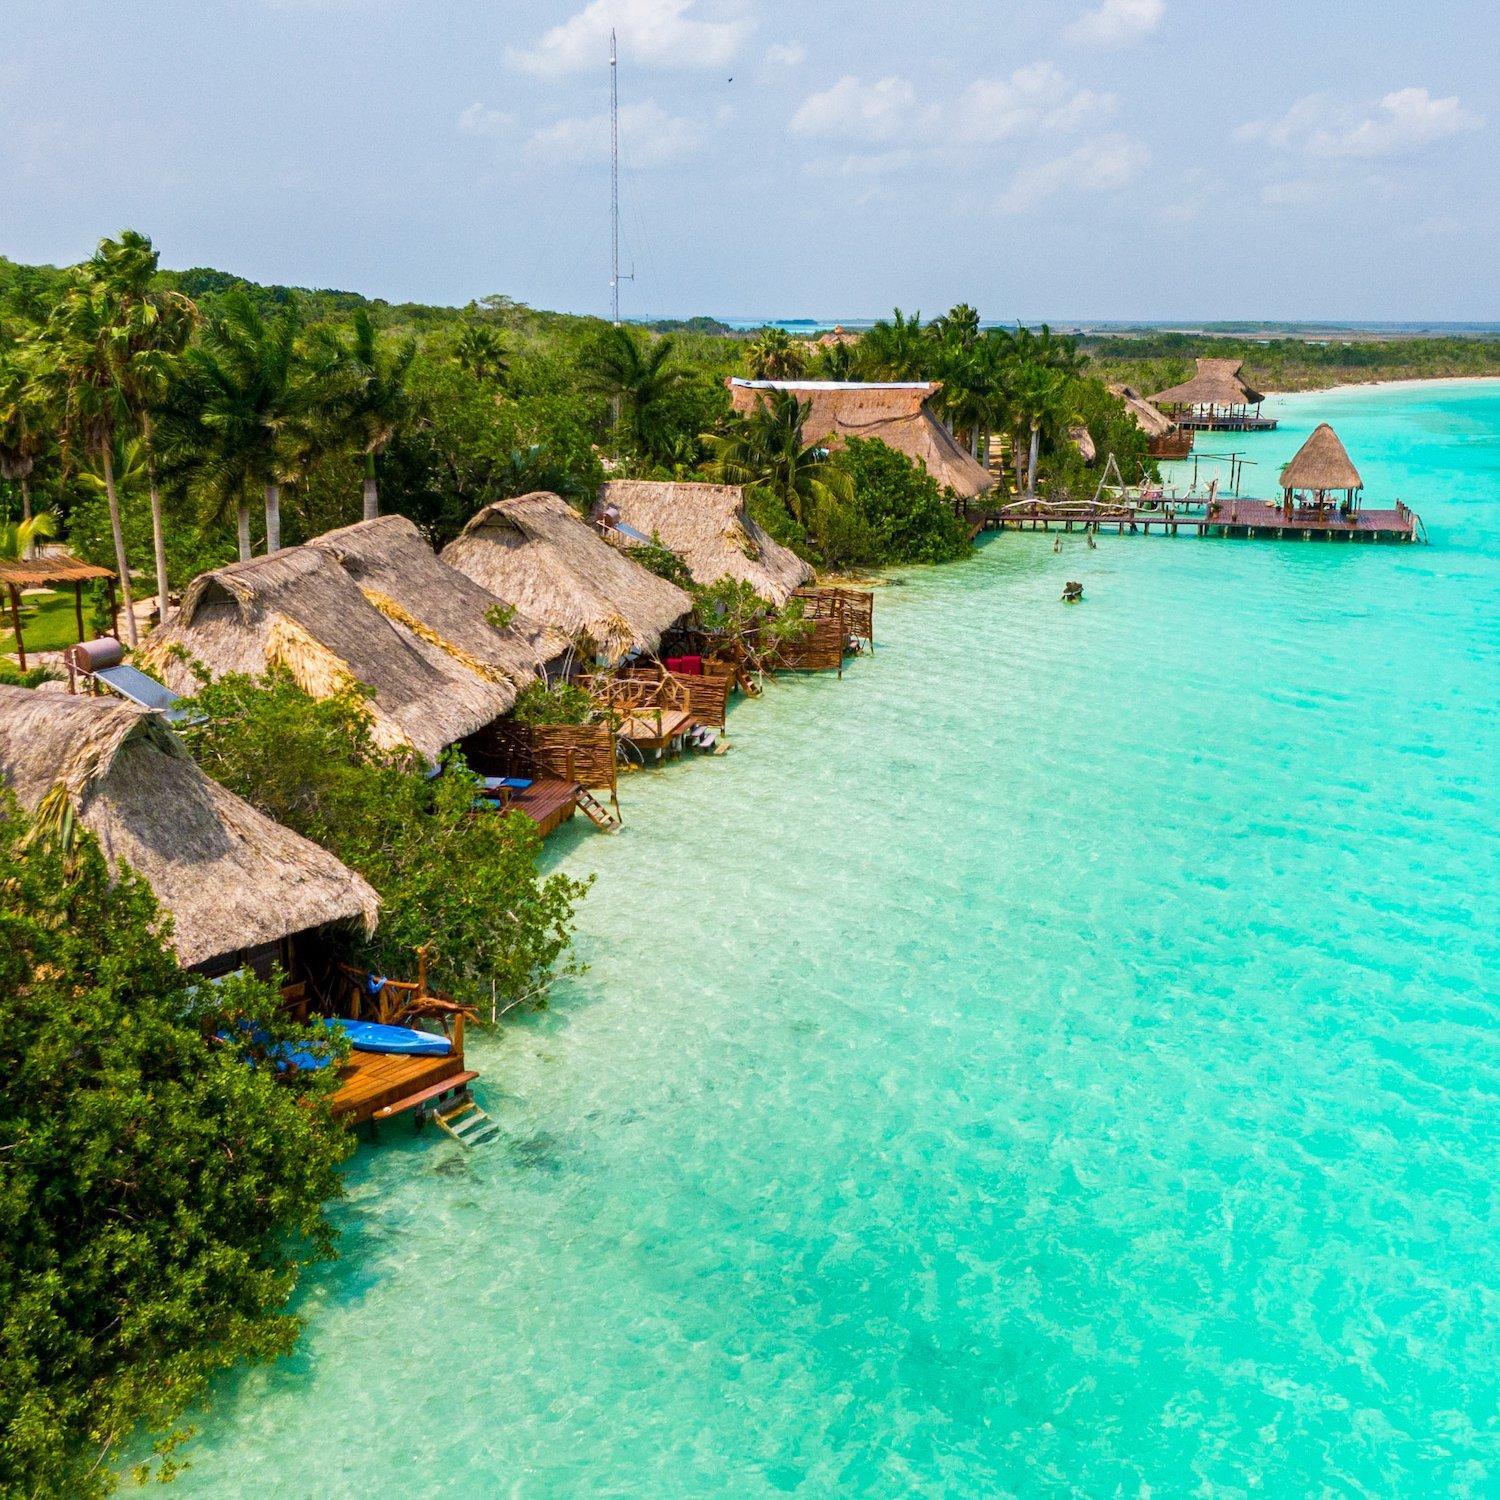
<point>632,533</point>
<point>133,684</point>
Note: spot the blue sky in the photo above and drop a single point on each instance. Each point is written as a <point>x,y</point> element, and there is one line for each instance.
<point>1070,159</point>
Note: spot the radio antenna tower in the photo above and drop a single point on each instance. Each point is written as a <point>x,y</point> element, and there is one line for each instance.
<point>614,181</point>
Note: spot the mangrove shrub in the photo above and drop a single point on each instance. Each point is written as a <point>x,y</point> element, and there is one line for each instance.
<point>158,1189</point>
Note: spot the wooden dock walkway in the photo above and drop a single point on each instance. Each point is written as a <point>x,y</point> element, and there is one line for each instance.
<point>1227,517</point>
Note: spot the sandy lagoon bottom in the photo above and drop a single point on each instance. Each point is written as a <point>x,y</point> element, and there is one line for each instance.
<point>1061,1058</point>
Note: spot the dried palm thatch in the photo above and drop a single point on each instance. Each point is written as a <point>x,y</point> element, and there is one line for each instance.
<point>539,554</point>
<point>1321,463</point>
<point>299,609</point>
<point>899,413</point>
<point>1215,382</point>
<point>230,877</point>
<point>1151,421</point>
<point>405,580</point>
<point>708,527</point>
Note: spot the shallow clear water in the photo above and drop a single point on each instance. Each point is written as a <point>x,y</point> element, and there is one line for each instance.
<point>1060,1058</point>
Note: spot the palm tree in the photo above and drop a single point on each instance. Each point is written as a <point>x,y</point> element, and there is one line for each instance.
<point>160,325</point>
<point>637,376</point>
<point>87,349</point>
<point>775,355</point>
<point>18,539</point>
<point>252,403</point>
<point>1038,404</point>
<point>23,407</point>
<point>835,362</point>
<point>480,352</point>
<point>764,450</point>
<point>369,400</point>
<point>898,349</point>
<point>958,327</point>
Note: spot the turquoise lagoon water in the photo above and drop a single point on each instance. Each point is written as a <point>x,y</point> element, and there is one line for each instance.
<point>1061,1058</point>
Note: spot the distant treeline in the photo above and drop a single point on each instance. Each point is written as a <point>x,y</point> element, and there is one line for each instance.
<point>1153,361</point>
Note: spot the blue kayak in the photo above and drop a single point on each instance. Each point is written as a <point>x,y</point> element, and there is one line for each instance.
<point>371,1036</point>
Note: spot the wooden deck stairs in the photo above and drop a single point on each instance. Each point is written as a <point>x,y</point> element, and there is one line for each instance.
<point>596,812</point>
<point>466,1123</point>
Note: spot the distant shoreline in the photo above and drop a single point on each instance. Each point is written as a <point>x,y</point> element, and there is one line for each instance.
<point>1367,385</point>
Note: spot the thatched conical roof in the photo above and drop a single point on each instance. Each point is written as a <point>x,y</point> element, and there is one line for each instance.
<point>708,527</point>
<point>300,610</point>
<point>896,412</point>
<point>1152,422</point>
<point>400,574</point>
<point>539,554</point>
<point>1215,382</point>
<point>230,876</point>
<point>1321,463</point>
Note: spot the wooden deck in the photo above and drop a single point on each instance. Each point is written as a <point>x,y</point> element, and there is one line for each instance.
<point>374,1081</point>
<point>1228,517</point>
<point>1226,424</point>
<point>549,804</point>
<point>1262,518</point>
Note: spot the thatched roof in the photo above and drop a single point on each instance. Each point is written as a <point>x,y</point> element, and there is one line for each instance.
<point>400,574</point>
<point>708,527</point>
<point>1152,422</point>
<point>230,877</point>
<point>1215,382</point>
<point>539,554</point>
<point>1083,440</point>
<point>299,609</point>
<point>1321,463</point>
<point>896,412</point>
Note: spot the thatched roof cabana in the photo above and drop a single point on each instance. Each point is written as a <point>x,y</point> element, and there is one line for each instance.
<point>896,412</point>
<point>1152,422</point>
<point>538,553</point>
<point>1321,464</point>
<point>231,877</point>
<point>299,609</point>
<point>398,572</point>
<point>708,527</point>
<point>1215,382</point>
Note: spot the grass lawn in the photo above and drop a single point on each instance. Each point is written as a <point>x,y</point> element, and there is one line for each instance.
<point>48,625</point>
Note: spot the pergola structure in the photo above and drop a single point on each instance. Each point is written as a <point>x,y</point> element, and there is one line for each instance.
<point>1321,469</point>
<point>52,572</point>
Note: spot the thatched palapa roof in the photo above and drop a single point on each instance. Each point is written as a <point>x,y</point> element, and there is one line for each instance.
<point>230,876</point>
<point>1321,463</point>
<point>539,554</point>
<point>708,527</point>
<point>896,412</point>
<point>299,609</point>
<point>1151,421</point>
<point>1215,382</point>
<point>400,574</point>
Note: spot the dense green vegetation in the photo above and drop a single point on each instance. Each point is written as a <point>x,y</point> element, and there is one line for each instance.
<point>463,884</point>
<point>174,420</point>
<point>157,1194</point>
<point>1155,361</point>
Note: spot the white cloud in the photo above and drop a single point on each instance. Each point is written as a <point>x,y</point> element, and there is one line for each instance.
<point>786,55</point>
<point>480,119</point>
<point>1405,120</point>
<point>858,111</point>
<point>862,164</point>
<point>656,33</point>
<point>649,137</point>
<point>1104,165</point>
<point>1036,98</point>
<point>1116,22</point>
<point>1033,100</point>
